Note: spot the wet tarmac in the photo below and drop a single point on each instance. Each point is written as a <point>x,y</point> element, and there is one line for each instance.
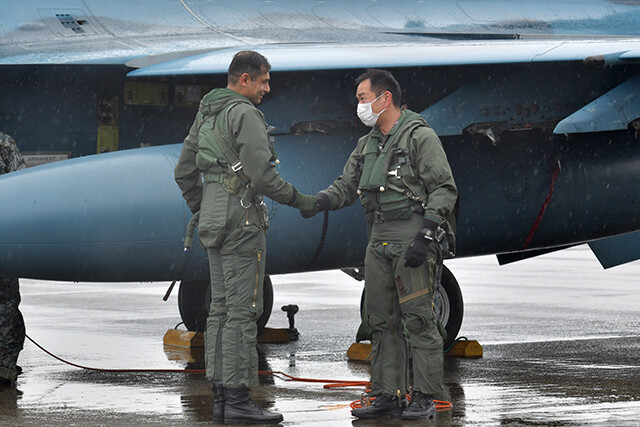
<point>561,340</point>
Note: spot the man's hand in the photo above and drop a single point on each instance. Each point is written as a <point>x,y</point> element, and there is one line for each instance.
<point>307,204</point>
<point>419,248</point>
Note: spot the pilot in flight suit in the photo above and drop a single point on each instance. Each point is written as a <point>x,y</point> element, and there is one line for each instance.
<point>228,146</point>
<point>401,174</point>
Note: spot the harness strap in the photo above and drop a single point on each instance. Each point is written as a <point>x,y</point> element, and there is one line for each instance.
<point>229,151</point>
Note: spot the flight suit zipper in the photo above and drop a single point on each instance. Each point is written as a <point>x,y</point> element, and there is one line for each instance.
<point>255,289</point>
<point>395,340</point>
<point>395,344</point>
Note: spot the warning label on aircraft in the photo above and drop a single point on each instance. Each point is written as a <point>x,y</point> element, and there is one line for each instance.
<point>35,159</point>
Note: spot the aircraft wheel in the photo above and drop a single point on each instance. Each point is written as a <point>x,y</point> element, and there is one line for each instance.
<point>267,303</point>
<point>194,298</point>
<point>447,302</point>
<point>449,306</point>
<point>193,303</point>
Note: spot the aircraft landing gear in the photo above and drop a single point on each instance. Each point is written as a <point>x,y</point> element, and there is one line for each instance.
<point>194,298</point>
<point>449,306</point>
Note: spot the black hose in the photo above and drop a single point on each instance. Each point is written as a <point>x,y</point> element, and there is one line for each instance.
<point>325,225</point>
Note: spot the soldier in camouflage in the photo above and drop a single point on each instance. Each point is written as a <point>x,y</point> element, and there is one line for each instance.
<point>12,330</point>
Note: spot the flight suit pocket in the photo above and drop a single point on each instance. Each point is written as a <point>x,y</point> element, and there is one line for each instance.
<point>214,207</point>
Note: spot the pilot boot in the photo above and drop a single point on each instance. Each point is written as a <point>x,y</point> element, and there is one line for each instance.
<point>240,409</point>
<point>382,406</point>
<point>219,400</point>
<point>421,407</point>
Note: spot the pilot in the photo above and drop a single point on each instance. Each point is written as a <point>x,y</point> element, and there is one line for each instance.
<point>225,167</point>
<point>401,174</point>
<point>12,330</point>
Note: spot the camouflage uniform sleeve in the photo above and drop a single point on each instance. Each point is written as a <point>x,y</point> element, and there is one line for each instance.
<point>344,190</point>
<point>10,157</point>
<point>186,172</point>
<point>433,168</point>
<point>249,131</point>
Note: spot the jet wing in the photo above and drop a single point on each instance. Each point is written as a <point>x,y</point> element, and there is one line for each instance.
<point>426,53</point>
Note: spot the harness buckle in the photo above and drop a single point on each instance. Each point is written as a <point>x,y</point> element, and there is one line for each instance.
<point>236,167</point>
<point>242,204</point>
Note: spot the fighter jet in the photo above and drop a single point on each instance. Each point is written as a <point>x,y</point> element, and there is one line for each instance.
<point>537,105</point>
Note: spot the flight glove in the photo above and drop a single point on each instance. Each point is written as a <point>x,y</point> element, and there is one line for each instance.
<point>419,248</point>
<point>307,204</point>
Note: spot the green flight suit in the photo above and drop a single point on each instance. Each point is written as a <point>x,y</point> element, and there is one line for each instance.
<point>237,251</point>
<point>401,178</point>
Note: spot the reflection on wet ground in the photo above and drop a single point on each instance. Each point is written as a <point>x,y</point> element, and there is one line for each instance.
<point>561,344</point>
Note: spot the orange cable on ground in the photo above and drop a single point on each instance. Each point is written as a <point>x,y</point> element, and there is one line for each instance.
<point>441,405</point>
<point>329,384</point>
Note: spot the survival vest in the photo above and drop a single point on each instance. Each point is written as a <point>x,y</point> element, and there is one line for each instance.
<point>389,186</point>
<point>219,161</point>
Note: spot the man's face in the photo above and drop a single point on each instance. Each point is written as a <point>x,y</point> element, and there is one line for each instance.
<point>255,89</point>
<point>365,95</point>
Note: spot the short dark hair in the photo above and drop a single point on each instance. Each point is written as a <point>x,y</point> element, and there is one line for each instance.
<point>382,81</point>
<point>247,61</point>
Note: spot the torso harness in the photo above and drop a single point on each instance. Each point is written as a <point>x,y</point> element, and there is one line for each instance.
<point>388,188</point>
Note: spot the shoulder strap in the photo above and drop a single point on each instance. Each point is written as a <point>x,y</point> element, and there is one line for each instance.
<point>409,126</point>
<point>412,180</point>
<point>228,147</point>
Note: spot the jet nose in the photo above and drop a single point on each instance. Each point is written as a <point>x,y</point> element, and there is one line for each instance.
<point>96,218</point>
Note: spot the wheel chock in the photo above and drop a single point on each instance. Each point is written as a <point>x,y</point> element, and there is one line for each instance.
<point>274,336</point>
<point>189,339</point>
<point>360,352</point>
<point>465,348</point>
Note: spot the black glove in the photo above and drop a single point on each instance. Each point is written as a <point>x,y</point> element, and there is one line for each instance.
<point>419,248</point>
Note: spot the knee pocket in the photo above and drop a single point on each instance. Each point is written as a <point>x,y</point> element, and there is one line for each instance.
<point>380,324</point>
<point>416,322</point>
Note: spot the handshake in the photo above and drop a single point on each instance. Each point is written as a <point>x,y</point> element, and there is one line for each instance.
<point>311,205</point>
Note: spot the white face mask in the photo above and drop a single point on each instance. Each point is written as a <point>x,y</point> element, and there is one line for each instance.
<point>366,114</point>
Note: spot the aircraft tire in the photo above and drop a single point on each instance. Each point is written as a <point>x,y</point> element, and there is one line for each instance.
<point>449,305</point>
<point>193,303</point>
<point>267,304</point>
<point>194,297</point>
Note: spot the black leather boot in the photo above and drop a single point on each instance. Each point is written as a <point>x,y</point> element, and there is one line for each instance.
<point>382,406</point>
<point>240,409</point>
<point>421,407</point>
<point>219,400</point>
